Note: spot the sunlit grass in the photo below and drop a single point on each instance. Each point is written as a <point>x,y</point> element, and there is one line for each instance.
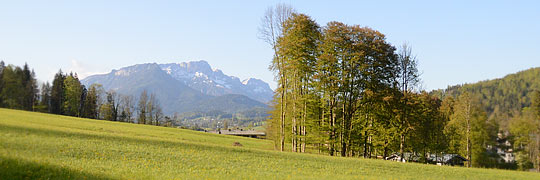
<point>44,146</point>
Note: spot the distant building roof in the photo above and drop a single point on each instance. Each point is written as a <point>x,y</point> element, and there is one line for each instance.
<point>453,159</point>
<point>239,132</point>
<point>446,158</point>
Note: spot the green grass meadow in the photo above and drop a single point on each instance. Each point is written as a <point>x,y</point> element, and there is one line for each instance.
<point>44,146</point>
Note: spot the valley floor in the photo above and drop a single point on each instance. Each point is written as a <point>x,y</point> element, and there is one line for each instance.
<point>44,146</point>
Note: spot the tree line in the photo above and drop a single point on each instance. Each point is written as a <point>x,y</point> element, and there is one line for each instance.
<point>525,130</point>
<point>344,90</point>
<point>511,104</point>
<point>68,96</point>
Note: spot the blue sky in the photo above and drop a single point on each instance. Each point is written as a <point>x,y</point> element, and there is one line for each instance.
<point>456,42</point>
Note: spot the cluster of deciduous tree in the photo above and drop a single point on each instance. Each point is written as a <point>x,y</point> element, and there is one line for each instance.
<point>344,90</point>
<point>500,98</point>
<point>525,130</point>
<point>509,105</point>
<point>67,96</point>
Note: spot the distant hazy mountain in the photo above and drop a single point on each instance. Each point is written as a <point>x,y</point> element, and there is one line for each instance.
<point>200,76</point>
<point>181,95</point>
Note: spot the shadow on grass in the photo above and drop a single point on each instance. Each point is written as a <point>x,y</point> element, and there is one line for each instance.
<point>22,169</point>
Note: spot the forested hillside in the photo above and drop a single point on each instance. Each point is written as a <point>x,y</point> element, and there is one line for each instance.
<point>500,98</point>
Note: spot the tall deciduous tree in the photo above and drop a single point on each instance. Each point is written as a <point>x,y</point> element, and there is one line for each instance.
<point>153,109</point>
<point>407,80</point>
<point>468,130</point>
<point>355,72</point>
<point>150,108</point>
<point>459,126</point>
<point>297,49</point>
<point>127,108</point>
<point>270,31</point>
<point>142,108</point>
<point>111,106</point>
<point>526,131</point>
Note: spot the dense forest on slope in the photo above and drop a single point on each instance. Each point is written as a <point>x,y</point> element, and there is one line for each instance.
<point>501,98</point>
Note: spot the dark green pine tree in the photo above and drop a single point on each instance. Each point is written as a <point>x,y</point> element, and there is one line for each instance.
<point>90,105</point>
<point>29,83</point>
<point>12,93</point>
<point>82,100</point>
<point>57,93</point>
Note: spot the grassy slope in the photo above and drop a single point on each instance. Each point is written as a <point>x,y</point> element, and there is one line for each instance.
<point>35,145</point>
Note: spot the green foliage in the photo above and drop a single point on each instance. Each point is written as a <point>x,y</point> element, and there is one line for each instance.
<point>339,93</point>
<point>18,87</point>
<point>427,135</point>
<point>2,67</point>
<point>297,49</point>
<point>500,98</point>
<point>45,146</point>
<point>12,94</point>
<point>90,106</point>
<point>109,109</point>
<point>72,94</point>
<point>58,93</point>
<point>67,96</point>
<point>525,129</point>
<point>344,90</point>
<point>469,131</point>
<point>217,119</point>
<point>511,106</point>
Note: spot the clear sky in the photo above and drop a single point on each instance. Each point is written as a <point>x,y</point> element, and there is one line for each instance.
<point>456,42</point>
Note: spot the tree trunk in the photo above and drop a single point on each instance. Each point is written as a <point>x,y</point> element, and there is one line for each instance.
<point>332,127</point>
<point>468,117</point>
<point>303,128</point>
<point>401,145</point>
<point>537,152</point>
<point>365,143</point>
<point>283,107</point>
<point>294,131</point>
<point>349,143</point>
<point>385,151</point>
<point>342,134</point>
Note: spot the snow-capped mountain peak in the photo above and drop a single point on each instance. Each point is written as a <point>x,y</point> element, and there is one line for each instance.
<point>245,82</point>
<point>200,76</point>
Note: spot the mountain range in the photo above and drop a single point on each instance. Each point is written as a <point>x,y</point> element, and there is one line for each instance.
<point>187,87</point>
<point>200,76</point>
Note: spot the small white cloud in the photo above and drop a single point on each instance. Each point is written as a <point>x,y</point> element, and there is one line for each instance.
<point>83,70</point>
